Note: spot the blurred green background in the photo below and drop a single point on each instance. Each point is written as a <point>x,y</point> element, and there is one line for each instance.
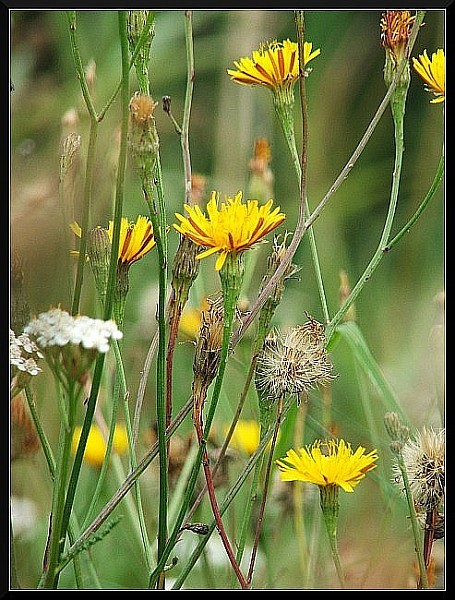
<point>397,310</point>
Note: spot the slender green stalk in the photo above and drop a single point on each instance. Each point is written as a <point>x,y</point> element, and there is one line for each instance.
<point>231,277</point>
<point>379,253</point>
<point>285,116</point>
<point>416,530</point>
<point>50,461</point>
<point>228,499</point>
<point>252,494</point>
<point>158,219</point>
<point>130,480</point>
<point>302,224</point>
<point>434,186</point>
<point>187,106</point>
<point>138,48</point>
<point>52,554</point>
<point>336,557</point>
<point>90,164</point>
<point>135,514</point>
<point>265,491</point>
<point>330,509</point>
<point>109,293</point>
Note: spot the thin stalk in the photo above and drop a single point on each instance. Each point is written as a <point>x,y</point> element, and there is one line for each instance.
<point>416,531</point>
<point>130,480</point>
<point>302,224</point>
<point>227,501</point>
<point>336,557</point>
<point>187,106</point>
<point>227,438</point>
<point>252,494</point>
<point>230,279</point>
<point>285,116</point>
<point>434,186</point>
<point>380,250</point>
<point>159,227</point>
<point>90,164</point>
<point>137,49</point>
<point>50,461</point>
<point>264,494</point>
<point>111,280</point>
<point>53,548</point>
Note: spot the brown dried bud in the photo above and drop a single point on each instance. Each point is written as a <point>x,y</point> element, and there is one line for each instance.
<point>208,347</point>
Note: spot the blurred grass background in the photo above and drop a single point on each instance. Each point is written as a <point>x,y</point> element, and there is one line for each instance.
<point>397,310</point>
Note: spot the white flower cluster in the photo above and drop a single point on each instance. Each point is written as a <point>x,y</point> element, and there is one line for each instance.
<point>58,328</point>
<point>23,353</point>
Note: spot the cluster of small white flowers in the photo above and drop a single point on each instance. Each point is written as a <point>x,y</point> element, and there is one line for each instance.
<point>58,328</point>
<point>23,353</point>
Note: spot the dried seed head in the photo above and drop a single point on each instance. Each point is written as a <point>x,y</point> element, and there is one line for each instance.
<point>424,461</point>
<point>293,362</point>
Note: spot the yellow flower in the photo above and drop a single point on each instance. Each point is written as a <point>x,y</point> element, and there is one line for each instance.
<point>433,73</point>
<point>136,239</point>
<point>230,228</point>
<point>95,449</point>
<point>190,321</point>
<point>246,436</point>
<point>274,65</point>
<point>327,463</point>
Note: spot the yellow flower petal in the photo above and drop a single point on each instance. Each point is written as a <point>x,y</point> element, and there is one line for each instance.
<point>327,463</point>
<point>232,226</point>
<point>274,65</point>
<point>432,72</point>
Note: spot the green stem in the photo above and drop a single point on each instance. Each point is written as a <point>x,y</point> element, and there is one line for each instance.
<point>284,113</point>
<point>230,280</point>
<point>158,218</point>
<point>228,499</point>
<point>111,280</point>
<point>252,494</point>
<point>138,48</point>
<point>53,550</point>
<point>130,480</point>
<point>90,164</point>
<point>50,461</point>
<point>187,106</point>
<point>336,557</point>
<point>330,509</point>
<point>434,186</point>
<point>380,251</point>
<point>416,530</point>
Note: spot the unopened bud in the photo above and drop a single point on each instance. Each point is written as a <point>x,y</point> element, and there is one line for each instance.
<point>99,252</point>
<point>143,136</point>
<point>208,348</point>
<point>70,147</point>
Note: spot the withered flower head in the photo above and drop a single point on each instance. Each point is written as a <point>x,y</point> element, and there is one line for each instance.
<point>293,362</point>
<point>396,28</point>
<point>424,457</point>
<point>210,341</point>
